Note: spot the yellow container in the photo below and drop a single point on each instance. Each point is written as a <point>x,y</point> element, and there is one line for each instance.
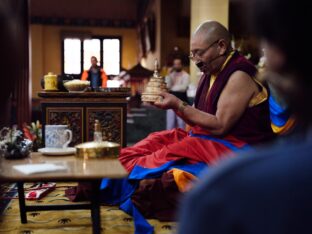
<point>50,82</point>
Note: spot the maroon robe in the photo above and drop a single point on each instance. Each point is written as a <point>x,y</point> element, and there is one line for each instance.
<point>254,126</point>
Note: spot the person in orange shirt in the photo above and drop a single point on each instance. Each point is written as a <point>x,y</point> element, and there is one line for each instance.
<point>96,75</point>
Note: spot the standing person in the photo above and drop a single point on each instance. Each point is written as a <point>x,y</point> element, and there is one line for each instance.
<point>177,82</point>
<point>96,75</point>
<point>269,191</point>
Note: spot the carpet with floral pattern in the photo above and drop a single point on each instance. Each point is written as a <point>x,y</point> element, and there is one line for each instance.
<point>113,220</point>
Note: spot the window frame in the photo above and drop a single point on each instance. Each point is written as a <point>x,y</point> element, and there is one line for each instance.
<point>101,38</point>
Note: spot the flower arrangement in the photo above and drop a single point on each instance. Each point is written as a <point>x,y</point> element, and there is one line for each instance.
<point>33,132</point>
<point>12,143</point>
<point>15,143</point>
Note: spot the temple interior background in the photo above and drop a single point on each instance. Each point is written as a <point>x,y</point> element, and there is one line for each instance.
<point>60,36</point>
<point>45,45</point>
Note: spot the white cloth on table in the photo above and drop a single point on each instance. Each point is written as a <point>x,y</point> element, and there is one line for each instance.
<point>38,168</point>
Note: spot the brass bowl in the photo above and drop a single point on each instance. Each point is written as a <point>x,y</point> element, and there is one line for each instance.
<point>76,86</point>
<point>103,149</point>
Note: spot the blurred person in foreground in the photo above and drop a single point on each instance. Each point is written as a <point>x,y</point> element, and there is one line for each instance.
<point>268,190</point>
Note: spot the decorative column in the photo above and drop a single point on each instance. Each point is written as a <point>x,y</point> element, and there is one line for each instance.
<point>203,10</point>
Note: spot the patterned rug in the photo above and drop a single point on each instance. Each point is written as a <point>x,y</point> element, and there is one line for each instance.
<point>113,220</point>
<point>7,190</point>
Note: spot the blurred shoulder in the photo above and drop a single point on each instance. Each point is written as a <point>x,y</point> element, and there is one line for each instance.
<point>256,165</point>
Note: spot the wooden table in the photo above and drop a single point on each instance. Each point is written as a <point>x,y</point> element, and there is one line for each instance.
<point>92,170</point>
<point>79,111</point>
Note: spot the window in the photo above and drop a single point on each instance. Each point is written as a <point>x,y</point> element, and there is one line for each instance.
<point>72,59</point>
<point>77,53</point>
<point>111,55</point>
<point>91,48</point>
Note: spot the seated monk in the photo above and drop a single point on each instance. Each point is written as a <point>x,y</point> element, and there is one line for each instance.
<point>230,105</point>
<point>230,113</point>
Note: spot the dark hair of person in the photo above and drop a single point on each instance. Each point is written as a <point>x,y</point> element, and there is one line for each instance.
<point>178,58</point>
<point>285,24</point>
<point>93,57</point>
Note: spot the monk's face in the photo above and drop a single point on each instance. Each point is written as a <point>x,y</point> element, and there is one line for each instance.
<point>207,53</point>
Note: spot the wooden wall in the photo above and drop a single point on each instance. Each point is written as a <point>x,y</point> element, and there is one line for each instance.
<point>14,41</point>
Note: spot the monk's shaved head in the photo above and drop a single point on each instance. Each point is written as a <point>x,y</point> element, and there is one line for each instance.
<point>211,31</point>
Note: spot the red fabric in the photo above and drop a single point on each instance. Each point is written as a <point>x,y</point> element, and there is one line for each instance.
<point>158,198</point>
<point>161,147</point>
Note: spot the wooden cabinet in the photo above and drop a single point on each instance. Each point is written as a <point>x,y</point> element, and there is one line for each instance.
<point>79,111</point>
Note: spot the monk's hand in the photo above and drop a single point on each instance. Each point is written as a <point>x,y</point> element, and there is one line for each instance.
<point>168,101</point>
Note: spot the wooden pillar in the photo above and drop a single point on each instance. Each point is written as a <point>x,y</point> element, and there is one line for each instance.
<point>15,98</point>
